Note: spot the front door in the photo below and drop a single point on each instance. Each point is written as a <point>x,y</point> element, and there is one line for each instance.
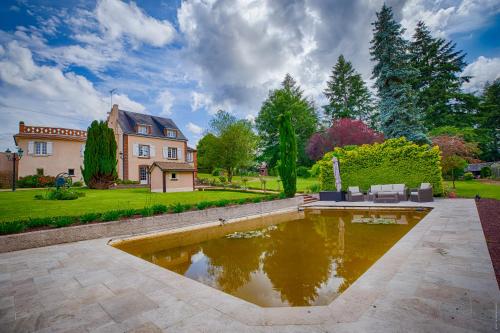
<point>143,174</point>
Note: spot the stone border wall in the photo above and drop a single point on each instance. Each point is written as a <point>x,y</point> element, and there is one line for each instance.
<point>137,226</point>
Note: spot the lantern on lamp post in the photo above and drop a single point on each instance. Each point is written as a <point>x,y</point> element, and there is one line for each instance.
<point>14,157</point>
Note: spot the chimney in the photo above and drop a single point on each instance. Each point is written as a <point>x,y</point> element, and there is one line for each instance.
<point>21,126</point>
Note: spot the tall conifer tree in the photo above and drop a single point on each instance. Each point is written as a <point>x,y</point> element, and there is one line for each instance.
<point>347,93</point>
<point>288,154</point>
<point>399,114</point>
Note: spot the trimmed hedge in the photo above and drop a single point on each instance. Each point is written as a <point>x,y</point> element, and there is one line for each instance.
<point>395,161</point>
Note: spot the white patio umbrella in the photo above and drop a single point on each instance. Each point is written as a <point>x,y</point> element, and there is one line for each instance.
<point>336,173</point>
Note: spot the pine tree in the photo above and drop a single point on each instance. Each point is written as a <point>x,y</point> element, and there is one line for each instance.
<point>399,114</point>
<point>99,158</point>
<point>303,116</point>
<point>347,93</point>
<point>438,81</point>
<point>288,154</point>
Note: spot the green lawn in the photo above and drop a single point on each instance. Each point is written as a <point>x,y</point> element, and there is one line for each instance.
<point>303,184</point>
<point>21,204</point>
<point>469,189</point>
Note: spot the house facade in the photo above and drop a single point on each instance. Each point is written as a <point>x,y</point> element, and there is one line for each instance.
<point>50,150</point>
<point>142,140</point>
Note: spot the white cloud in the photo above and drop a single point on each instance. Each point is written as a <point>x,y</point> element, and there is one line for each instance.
<point>193,128</point>
<point>45,95</point>
<point>166,100</point>
<point>119,18</point>
<point>448,17</point>
<point>482,70</point>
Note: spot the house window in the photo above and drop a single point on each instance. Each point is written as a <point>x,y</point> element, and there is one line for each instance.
<point>172,153</point>
<point>71,172</point>
<point>41,148</point>
<point>144,151</point>
<point>189,156</point>
<point>39,172</point>
<point>171,133</point>
<point>141,129</point>
<point>143,174</point>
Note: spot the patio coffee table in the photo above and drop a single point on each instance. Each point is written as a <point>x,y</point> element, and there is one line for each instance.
<point>386,197</point>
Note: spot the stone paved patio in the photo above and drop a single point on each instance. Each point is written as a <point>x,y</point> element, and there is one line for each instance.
<point>438,277</point>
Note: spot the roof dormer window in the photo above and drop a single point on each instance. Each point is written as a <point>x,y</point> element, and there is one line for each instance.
<point>171,133</point>
<point>141,129</point>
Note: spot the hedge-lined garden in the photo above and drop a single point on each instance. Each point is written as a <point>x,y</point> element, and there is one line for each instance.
<point>395,161</point>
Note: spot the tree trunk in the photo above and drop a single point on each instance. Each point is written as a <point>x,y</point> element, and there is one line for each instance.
<point>453,177</point>
<point>229,174</point>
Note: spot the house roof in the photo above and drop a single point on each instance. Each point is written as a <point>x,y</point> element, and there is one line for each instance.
<point>476,167</point>
<point>173,166</point>
<point>128,121</point>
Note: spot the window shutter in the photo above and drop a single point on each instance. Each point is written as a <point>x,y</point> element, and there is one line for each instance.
<point>179,154</point>
<point>135,151</point>
<point>31,147</point>
<point>165,152</point>
<point>49,148</point>
<point>152,150</point>
<point>82,150</point>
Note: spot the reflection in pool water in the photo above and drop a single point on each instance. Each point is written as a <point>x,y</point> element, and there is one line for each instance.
<point>292,259</point>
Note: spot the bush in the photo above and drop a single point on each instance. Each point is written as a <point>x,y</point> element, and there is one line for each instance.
<point>89,217</point>
<point>222,179</point>
<point>177,208</point>
<point>159,209</point>
<point>222,203</point>
<point>485,172</point>
<point>146,211</point>
<point>202,205</point>
<point>129,212</point>
<point>314,188</point>
<point>39,222</point>
<point>395,161</point>
<point>11,227</point>
<point>62,221</point>
<point>111,215</point>
<point>468,176</point>
<point>36,181</point>
<point>217,172</point>
<point>126,182</point>
<point>315,170</point>
<point>77,184</point>
<point>60,194</point>
<point>303,172</point>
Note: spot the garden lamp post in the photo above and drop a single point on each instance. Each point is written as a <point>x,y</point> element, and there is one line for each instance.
<point>14,157</point>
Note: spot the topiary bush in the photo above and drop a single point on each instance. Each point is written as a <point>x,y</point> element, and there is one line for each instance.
<point>468,176</point>
<point>395,161</point>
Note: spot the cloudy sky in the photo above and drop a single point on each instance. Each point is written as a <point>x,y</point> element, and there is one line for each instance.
<point>187,59</point>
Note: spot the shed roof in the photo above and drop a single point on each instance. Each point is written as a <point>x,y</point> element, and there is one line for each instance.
<point>173,166</point>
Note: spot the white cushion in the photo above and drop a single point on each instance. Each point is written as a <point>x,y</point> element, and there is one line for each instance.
<point>398,187</point>
<point>414,193</point>
<point>354,189</point>
<point>386,188</point>
<point>375,188</point>
<point>423,186</point>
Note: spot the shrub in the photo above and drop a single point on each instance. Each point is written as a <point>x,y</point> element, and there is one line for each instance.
<point>203,204</point>
<point>485,172</point>
<point>77,184</point>
<point>314,188</point>
<point>127,181</point>
<point>62,221</point>
<point>222,203</point>
<point>177,208</point>
<point>146,211</point>
<point>395,161</point>
<point>222,179</point>
<point>129,212</point>
<point>39,222</point>
<point>315,170</point>
<point>111,215</point>
<point>159,209</point>
<point>257,200</point>
<point>303,172</point>
<point>468,176</point>
<point>36,181</point>
<point>217,172</point>
<point>11,227</point>
<point>89,217</point>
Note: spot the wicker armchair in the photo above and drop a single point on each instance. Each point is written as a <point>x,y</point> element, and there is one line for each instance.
<point>422,194</point>
<point>354,194</point>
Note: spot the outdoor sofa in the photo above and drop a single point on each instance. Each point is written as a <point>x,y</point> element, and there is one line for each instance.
<point>354,194</point>
<point>398,192</point>
<point>422,194</point>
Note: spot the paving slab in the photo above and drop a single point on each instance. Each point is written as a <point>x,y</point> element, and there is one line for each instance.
<point>438,277</point>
